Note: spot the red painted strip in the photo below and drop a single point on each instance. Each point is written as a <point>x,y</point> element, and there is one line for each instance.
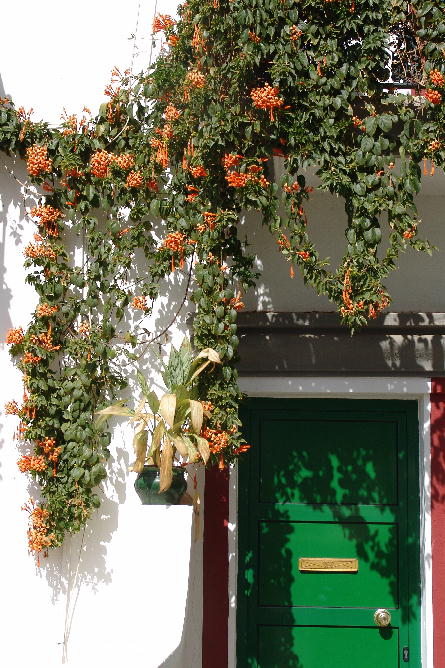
<point>438,516</point>
<point>215,569</point>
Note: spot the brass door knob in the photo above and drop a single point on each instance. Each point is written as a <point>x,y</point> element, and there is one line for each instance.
<point>382,617</point>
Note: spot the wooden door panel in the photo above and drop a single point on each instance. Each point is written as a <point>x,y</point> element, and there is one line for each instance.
<point>329,461</point>
<point>321,647</point>
<point>375,546</point>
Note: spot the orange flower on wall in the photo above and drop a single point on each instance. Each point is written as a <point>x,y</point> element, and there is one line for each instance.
<point>266,97</point>
<point>37,161</point>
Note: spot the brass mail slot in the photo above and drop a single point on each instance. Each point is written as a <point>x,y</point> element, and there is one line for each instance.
<point>327,564</point>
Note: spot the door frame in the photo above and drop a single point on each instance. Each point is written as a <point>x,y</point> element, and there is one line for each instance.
<point>351,388</point>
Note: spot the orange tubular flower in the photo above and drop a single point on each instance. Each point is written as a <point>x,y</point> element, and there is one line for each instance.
<point>11,408</point>
<point>195,79</point>
<point>210,219</point>
<point>48,217</point>
<point>162,22</point>
<point>218,440</point>
<point>99,164</point>
<point>435,145</point>
<point>437,78</point>
<point>254,37</point>
<point>175,242</point>
<point>171,113</point>
<point>193,193</point>
<point>124,161</point>
<point>140,303</point>
<point>37,161</point>
<point>44,340</point>
<point>45,310</point>
<point>39,251</point>
<point>134,180</point>
<point>231,160</point>
<point>433,96</point>
<point>198,172</point>
<point>14,336</point>
<point>237,180</point>
<point>32,463</point>
<point>29,358</point>
<point>173,40</point>
<point>295,33</point>
<point>267,98</point>
<point>241,449</point>
<point>39,538</point>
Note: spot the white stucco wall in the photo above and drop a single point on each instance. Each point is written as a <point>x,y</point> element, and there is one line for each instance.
<point>130,589</point>
<point>418,285</point>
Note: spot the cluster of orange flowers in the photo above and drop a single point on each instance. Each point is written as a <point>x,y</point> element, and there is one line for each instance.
<point>437,78</point>
<point>134,179</point>
<point>409,234</point>
<point>266,97</point>
<point>124,161</point>
<point>433,96</point>
<point>28,409</point>
<point>39,251</point>
<point>140,303</point>
<point>198,43</point>
<point>378,306</point>
<point>358,123</point>
<point>11,408</point>
<point>37,161</point>
<point>236,302</point>
<point>207,406</point>
<point>174,241</point>
<point>14,336</point>
<point>161,156</point>
<point>209,221</point>
<point>195,79</point>
<point>349,306</point>
<point>435,145</point>
<point>171,113</point>
<point>231,160</point>
<point>283,241</point>
<point>241,179</point>
<point>254,37</point>
<point>29,358</point>
<point>52,452</point>
<point>39,538</point>
<point>192,193</point>
<point>162,22</point>
<point>32,463</point>
<point>218,440</point>
<point>84,328</point>
<point>295,33</point>
<point>45,310</point>
<point>198,172</point>
<point>100,162</point>
<point>48,217</point>
<point>173,40</point>
<point>44,340</point>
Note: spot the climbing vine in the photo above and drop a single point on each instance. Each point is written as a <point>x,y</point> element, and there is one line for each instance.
<point>352,90</point>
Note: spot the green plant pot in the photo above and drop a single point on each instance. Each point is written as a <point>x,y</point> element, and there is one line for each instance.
<point>147,487</point>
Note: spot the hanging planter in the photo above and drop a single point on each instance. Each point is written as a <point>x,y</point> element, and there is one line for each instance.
<point>148,482</point>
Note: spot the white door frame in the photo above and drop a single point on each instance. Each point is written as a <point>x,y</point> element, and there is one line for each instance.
<point>418,389</point>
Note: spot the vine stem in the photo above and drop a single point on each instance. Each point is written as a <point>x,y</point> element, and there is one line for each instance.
<point>69,614</point>
<point>181,305</point>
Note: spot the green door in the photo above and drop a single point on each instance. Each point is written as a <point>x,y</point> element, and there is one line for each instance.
<point>328,509</point>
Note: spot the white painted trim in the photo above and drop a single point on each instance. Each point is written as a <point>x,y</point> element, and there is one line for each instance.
<point>349,388</point>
